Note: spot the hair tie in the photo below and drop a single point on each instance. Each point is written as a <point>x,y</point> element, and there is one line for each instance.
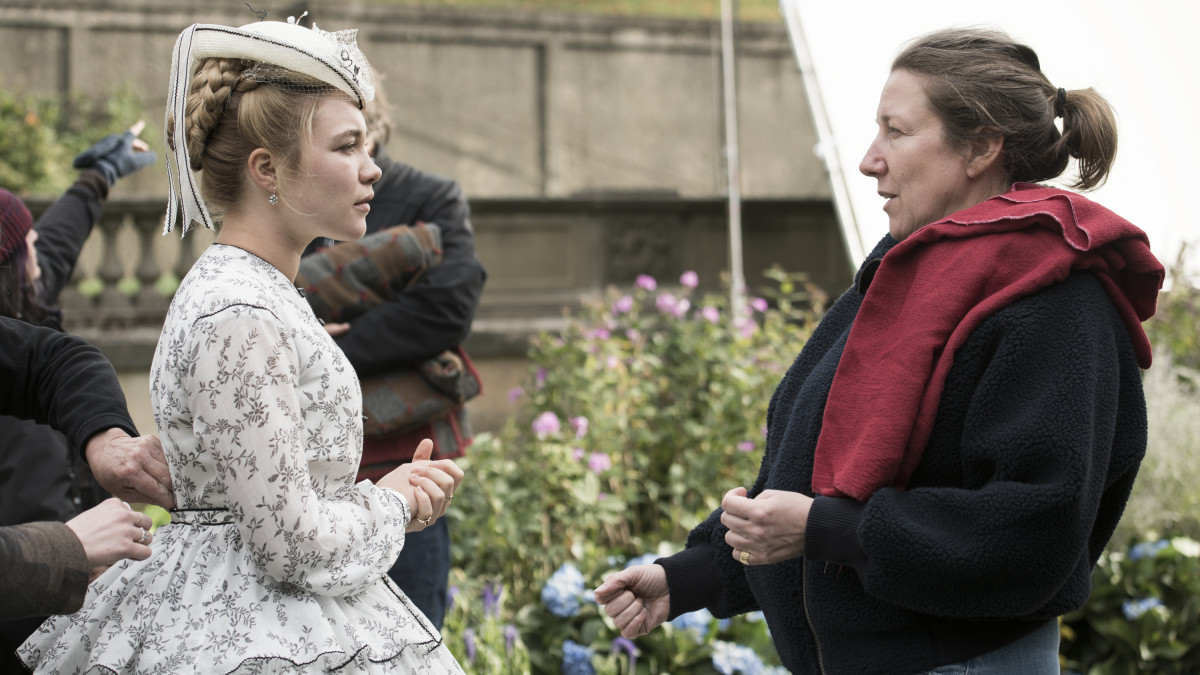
<point>1060,102</point>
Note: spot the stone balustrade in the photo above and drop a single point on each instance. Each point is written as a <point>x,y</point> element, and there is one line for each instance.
<point>542,255</point>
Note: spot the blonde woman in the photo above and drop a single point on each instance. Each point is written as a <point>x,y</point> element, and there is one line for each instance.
<point>275,560</point>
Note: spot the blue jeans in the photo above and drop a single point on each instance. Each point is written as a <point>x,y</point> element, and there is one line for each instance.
<point>1034,654</point>
<point>423,570</point>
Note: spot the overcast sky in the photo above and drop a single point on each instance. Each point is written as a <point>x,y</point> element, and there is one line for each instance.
<point>1139,55</point>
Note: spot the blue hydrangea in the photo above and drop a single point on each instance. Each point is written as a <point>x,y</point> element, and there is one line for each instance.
<point>577,659</point>
<point>1135,608</point>
<point>696,622</point>
<point>644,559</point>
<point>1148,549</point>
<point>564,591</point>
<point>729,658</point>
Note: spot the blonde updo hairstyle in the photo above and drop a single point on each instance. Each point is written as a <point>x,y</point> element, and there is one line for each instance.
<point>229,115</point>
<point>982,85</point>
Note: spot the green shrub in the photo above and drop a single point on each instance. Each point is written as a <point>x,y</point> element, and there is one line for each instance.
<point>1144,613</point>
<point>639,415</point>
<point>41,134</point>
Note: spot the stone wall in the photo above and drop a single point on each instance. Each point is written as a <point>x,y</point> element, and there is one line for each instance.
<point>591,148</point>
<point>513,104</point>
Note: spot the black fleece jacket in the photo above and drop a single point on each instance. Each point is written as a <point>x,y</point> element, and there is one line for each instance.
<point>1038,437</point>
<point>436,313</point>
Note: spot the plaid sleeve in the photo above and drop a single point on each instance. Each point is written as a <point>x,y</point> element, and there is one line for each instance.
<point>45,570</point>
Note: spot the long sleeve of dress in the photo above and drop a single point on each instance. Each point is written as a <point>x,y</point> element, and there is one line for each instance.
<point>45,570</point>
<point>254,417</point>
<point>60,380</point>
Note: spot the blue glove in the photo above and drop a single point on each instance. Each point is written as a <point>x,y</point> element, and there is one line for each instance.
<point>114,157</point>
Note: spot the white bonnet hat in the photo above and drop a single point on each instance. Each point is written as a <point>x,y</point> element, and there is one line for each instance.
<point>333,58</point>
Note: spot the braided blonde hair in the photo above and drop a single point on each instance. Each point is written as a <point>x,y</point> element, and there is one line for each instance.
<point>230,113</point>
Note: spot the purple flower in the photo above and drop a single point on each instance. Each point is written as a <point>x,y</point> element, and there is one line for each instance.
<point>764,432</point>
<point>580,425</point>
<point>469,641</point>
<point>745,327</point>
<point>689,279</point>
<point>682,307</point>
<point>547,423</point>
<point>666,303</point>
<point>602,496</point>
<point>623,304</point>
<point>491,599</point>
<point>612,362</point>
<point>450,595</point>
<point>759,304</point>
<point>599,462</point>
<point>646,282</point>
<point>578,453</point>
<point>711,313</point>
<point>515,393</point>
<point>539,378</point>
<point>746,446</point>
<point>597,334</point>
<point>620,644</point>
<point>510,637</point>
<point>634,335</point>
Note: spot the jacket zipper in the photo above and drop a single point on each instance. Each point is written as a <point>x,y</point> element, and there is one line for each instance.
<point>808,617</point>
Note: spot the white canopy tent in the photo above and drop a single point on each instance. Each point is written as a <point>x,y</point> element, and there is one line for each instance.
<point>1138,55</point>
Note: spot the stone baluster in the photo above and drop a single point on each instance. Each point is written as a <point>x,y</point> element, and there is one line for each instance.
<point>148,298</point>
<point>69,298</point>
<point>112,301</point>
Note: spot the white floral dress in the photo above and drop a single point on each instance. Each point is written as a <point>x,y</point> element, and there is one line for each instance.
<point>275,561</point>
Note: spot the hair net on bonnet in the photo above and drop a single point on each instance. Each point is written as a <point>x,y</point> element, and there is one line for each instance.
<point>15,223</point>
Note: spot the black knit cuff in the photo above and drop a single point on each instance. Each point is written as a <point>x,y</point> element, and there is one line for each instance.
<point>832,533</point>
<point>693,579</point>
<point>93,181</point>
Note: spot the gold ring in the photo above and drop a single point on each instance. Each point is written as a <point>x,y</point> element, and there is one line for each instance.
<point>450,498</point>
<point>425,521</point>
<point>745,557</point>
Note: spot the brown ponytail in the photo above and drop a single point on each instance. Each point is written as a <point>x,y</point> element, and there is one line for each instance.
<point>984,85</point>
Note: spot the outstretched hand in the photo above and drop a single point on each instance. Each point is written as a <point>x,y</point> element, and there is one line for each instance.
<point>117,155</point>
<point>134,469</point>
<point>637,599</point>
<point>770,528</point>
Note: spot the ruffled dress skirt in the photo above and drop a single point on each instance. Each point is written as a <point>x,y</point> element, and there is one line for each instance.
<point>199,605</point>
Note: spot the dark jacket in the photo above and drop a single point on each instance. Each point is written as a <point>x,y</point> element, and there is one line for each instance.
<point>436,313</point>
<point>41,478</point>
<point>425,320</point>
<point>62,380</point>
<point>1038,437</point>
<point>46,570</point>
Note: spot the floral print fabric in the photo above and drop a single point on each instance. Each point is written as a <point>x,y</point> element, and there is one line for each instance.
<point>275,561</point>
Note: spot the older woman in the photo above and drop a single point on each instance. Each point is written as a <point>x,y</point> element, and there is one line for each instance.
<point>952,449</point>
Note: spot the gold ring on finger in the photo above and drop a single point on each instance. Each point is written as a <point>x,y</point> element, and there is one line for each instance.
<point>745,557</point>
